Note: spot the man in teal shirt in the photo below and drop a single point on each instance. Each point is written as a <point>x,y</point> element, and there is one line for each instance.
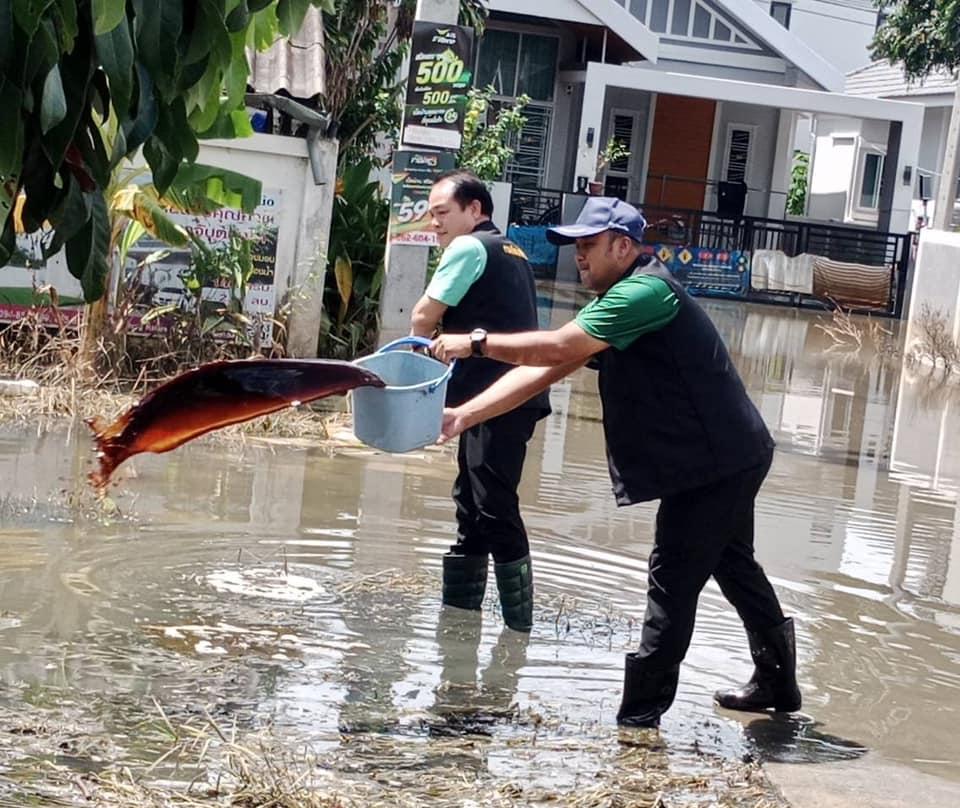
<point>679,427</point>
<point>483,283</point>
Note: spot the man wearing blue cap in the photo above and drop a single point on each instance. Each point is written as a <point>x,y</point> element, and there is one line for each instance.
<point>680,428</point>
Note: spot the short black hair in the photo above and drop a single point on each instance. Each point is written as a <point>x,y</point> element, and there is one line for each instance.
<point>467,188</point>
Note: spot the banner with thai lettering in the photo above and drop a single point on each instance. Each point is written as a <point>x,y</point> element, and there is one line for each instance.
<point>161,283</point>
<point>441,74</point>
<point>705,271</point>
<point>414,173</point>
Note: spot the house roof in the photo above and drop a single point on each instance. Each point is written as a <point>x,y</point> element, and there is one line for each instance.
<point>294,64</point>
<point>881,79</point>
<point>607,13</point>
<point>787,44</point>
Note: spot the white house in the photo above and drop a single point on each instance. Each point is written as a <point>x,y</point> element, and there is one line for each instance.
<point>880,79</point>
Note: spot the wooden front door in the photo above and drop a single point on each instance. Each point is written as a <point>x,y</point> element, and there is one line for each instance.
<point>679,152</point>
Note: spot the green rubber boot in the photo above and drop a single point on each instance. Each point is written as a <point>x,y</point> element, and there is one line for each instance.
<point>515,585</point>
<point>464,580</point>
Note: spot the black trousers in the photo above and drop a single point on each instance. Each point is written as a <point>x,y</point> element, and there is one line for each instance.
<point>491,458</point>
<point>702,532</point>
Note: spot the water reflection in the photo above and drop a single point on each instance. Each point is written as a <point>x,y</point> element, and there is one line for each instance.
<point>797,739</point>
<point>303,585</point>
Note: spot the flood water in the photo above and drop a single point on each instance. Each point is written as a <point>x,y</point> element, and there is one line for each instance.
<point>298,586</point>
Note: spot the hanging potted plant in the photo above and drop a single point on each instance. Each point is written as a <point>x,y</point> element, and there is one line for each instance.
<point>613,150</point>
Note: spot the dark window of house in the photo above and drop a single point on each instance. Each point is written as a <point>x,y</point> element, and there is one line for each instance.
<point>517,63</point>
<point>538,66</point>
<point>497,63</point>
<point>781,13</point>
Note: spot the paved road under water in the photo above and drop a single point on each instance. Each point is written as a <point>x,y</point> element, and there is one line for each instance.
<point>300,584</point>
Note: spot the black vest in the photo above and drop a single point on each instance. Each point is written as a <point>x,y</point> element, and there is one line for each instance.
<point>676,415</point>
<point>502,300</point>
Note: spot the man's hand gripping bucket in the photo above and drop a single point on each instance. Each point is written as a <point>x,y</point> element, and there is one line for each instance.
<point>407,414</point>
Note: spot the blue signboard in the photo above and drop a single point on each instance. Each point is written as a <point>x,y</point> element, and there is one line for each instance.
<point>706,271</point>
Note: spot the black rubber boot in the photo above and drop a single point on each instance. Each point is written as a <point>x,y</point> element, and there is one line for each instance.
<point>647,693</point>
<point>464,580</point>
<point>774,681</point>
<point>515,585</point>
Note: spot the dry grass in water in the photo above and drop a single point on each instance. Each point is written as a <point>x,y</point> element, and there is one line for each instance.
<point>935,344</point>
<point>206,764</point>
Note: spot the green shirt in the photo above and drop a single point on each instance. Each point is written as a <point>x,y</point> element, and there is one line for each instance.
<point>636,305</point>
<point>461,264</point>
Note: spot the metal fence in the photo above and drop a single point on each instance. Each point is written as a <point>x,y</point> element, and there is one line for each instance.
<point>850,258</point>
<point>852,248</point>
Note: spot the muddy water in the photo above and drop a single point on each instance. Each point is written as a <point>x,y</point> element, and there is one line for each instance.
<point>299,586</point>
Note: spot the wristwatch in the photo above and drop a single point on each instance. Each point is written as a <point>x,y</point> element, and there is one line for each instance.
<point>478,341</point>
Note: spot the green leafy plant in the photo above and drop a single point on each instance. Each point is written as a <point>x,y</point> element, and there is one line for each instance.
<point>613,150</point>
<point>165,71</point>
<point>921,35</point>
<point>355,266</point>
<point>204,328</point>
<point>487,146</point>
<point>797,192</point>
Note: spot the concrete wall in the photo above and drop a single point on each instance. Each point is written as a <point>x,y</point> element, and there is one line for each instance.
<point>283,166</point>
<point>832,164</point>
<point>935,282</point>
<point>304,222</point>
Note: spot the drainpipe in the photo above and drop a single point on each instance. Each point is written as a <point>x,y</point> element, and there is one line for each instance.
<point>318,123</point>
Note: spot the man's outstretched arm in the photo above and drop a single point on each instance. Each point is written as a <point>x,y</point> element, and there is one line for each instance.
<point>506,393</point>
<point>561,346</point>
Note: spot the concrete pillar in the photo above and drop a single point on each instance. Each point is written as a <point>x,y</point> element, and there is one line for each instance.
<point>406,264</point>
<point>782,165</point>
<point>903,151</point>
<point>313,240</point>
<point>946,193</point>
<point>591,117</point>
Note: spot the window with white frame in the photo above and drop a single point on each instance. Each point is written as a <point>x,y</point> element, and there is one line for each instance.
<point>623,126</point>
<point>736,157</point>
<point>781,13</point>
<point>871,172</point>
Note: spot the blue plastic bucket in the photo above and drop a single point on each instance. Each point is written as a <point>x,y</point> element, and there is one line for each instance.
<point>406,414</point>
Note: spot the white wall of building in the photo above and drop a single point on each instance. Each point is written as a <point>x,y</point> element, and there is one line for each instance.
<point>834,151</point>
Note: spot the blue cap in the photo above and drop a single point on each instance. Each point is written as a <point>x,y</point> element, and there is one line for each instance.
<point>600,213</point>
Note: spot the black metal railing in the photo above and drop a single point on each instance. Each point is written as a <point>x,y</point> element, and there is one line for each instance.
<point>535,206</point>
<point>852,247</point>
<point>843,244</point>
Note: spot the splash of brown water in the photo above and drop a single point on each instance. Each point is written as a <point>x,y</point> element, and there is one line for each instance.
<point>216,395</point>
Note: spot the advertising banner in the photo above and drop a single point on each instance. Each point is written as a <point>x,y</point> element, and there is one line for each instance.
<point>441,73</point>
<point>414,172</point>
<point>705,271</point>
<point>161,283</point>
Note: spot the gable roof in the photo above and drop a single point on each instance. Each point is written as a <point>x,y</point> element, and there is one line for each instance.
<point>884,80</point>
<point>788,45</point>
<point>606,13</point>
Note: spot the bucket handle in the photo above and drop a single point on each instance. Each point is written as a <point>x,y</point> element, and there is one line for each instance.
<point>420,342</point>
